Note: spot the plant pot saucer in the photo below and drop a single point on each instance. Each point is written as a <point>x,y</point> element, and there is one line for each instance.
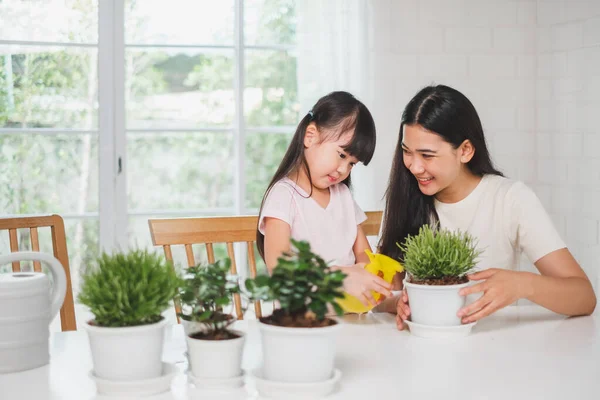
<point>216,383</point>
<point>429,331</point>
<point>294,390</point>
<point>142,387</point>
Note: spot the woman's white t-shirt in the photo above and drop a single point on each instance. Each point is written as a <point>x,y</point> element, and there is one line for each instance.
<point>506,218</point>
<point>331,231</point>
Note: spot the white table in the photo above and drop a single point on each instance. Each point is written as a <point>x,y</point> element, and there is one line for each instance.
<point>521,352</point>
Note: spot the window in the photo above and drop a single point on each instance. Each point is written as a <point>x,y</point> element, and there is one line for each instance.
<point>49,117</point>
<point>138,109</point>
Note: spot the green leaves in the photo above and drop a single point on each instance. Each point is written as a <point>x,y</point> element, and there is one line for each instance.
<point>300,281</point>
<point>128,289</point>
<point>434,254</point>
<point>205,290</point>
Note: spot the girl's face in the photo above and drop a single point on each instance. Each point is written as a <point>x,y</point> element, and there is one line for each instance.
<point>437,166</point>
<point>329,163</point>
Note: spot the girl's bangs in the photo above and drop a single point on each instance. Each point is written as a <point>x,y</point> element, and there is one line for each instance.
<point>362,144</point>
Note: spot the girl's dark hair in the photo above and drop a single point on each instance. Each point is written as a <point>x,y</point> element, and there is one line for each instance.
<point>334,115</point>
<point>448,113</point>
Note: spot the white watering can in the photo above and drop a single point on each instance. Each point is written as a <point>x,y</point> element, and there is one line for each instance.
<point>26,309</point>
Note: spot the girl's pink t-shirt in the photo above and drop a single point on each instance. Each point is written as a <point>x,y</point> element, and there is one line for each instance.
<point>331,231</point>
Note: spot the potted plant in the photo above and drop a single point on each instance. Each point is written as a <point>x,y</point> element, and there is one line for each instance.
<point>437,261</point>
<point>126,293</point>
<point>298,338</point>
<point>214,350</point>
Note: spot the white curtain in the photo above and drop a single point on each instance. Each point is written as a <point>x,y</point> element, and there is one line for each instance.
<point>333,54</point>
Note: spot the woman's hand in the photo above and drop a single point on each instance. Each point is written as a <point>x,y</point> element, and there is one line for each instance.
<point>500,289</point>
<point>402,310</point>
<point>360,282</point>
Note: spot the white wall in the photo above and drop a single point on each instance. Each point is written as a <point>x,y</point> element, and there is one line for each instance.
<point>568,137</point>
<point>531,68</point>
<point>484,48</point>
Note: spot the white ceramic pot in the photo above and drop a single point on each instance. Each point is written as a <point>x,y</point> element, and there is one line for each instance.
<point>27,306</point>
<point>129,353</point>
<point>216,359</point>
<point>435,305</point>
<point>298,354</point>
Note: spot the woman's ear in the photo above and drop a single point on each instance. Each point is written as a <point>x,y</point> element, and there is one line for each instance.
<point>311,135</point>
<point>467,151</point>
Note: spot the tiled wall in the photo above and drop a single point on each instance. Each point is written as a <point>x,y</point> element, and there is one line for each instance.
<point>532,70</point>
<point>486,49</point>
<point>567,135</point>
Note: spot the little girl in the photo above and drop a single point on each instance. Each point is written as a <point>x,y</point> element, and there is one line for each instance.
<point>309,197</point>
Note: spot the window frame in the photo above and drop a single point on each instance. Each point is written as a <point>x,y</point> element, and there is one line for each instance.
<point>113,212</point>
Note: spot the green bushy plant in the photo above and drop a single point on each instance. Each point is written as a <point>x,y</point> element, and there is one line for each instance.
<point>204,293</point>
<point>128,289</point>
<point>303,285</point>
<point>437,253</point>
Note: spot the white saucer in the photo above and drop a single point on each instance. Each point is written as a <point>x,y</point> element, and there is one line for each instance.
<point>143,387</point>
<point>294,390</point>
<point>216,383</point>
<point>429,331</point>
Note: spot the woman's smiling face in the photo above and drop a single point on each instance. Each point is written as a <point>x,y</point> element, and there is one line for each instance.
<point>435,163</point>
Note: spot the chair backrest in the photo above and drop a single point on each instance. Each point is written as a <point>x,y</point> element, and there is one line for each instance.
<point>228,230</point>
<point>59,246</point>
<point>373,222</point>
<point>208,231</point>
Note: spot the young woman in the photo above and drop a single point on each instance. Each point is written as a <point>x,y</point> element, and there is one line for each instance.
<point>442,173</point>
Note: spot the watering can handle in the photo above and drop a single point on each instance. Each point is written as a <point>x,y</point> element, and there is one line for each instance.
<point>60,279</point>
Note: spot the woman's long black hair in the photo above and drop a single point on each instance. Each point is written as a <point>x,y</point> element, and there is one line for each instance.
<point>334,115</point>
<point>448,113</point>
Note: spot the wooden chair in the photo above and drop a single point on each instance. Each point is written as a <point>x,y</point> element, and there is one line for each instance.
<point>373,222</point>
<point>59,245</point>
<point>208,231</point>
<point>229,230</point>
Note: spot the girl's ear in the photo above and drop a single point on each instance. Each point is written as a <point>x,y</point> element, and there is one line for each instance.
<point>311,135</point>
<point>467,151</point>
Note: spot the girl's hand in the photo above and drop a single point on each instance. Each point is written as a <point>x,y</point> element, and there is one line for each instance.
<point>500,289</point>
<point>360,282</point>
<point>402,310</point>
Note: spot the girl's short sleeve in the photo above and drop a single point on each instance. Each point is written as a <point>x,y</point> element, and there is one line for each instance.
<point>278,204</point>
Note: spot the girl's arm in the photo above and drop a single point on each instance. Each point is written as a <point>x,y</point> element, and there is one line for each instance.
<point>359,282</point>
<point>562,287</point>
<point>360,245</point>
<point>277,240</point>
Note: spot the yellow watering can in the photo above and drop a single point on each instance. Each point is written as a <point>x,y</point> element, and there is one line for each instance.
<point>381,265</point>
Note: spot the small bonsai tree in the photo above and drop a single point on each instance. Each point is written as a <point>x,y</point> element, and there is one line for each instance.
<point>128,289</point>
<point>204,293</point>
<point>439,256</point>
<point>303,285</point>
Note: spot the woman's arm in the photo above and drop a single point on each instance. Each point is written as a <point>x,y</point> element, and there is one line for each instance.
<point>562,287</point>
<point>277,240</point>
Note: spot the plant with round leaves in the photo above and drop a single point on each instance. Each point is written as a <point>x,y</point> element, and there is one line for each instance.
<point>204,293</point>
<point>301,282</point>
